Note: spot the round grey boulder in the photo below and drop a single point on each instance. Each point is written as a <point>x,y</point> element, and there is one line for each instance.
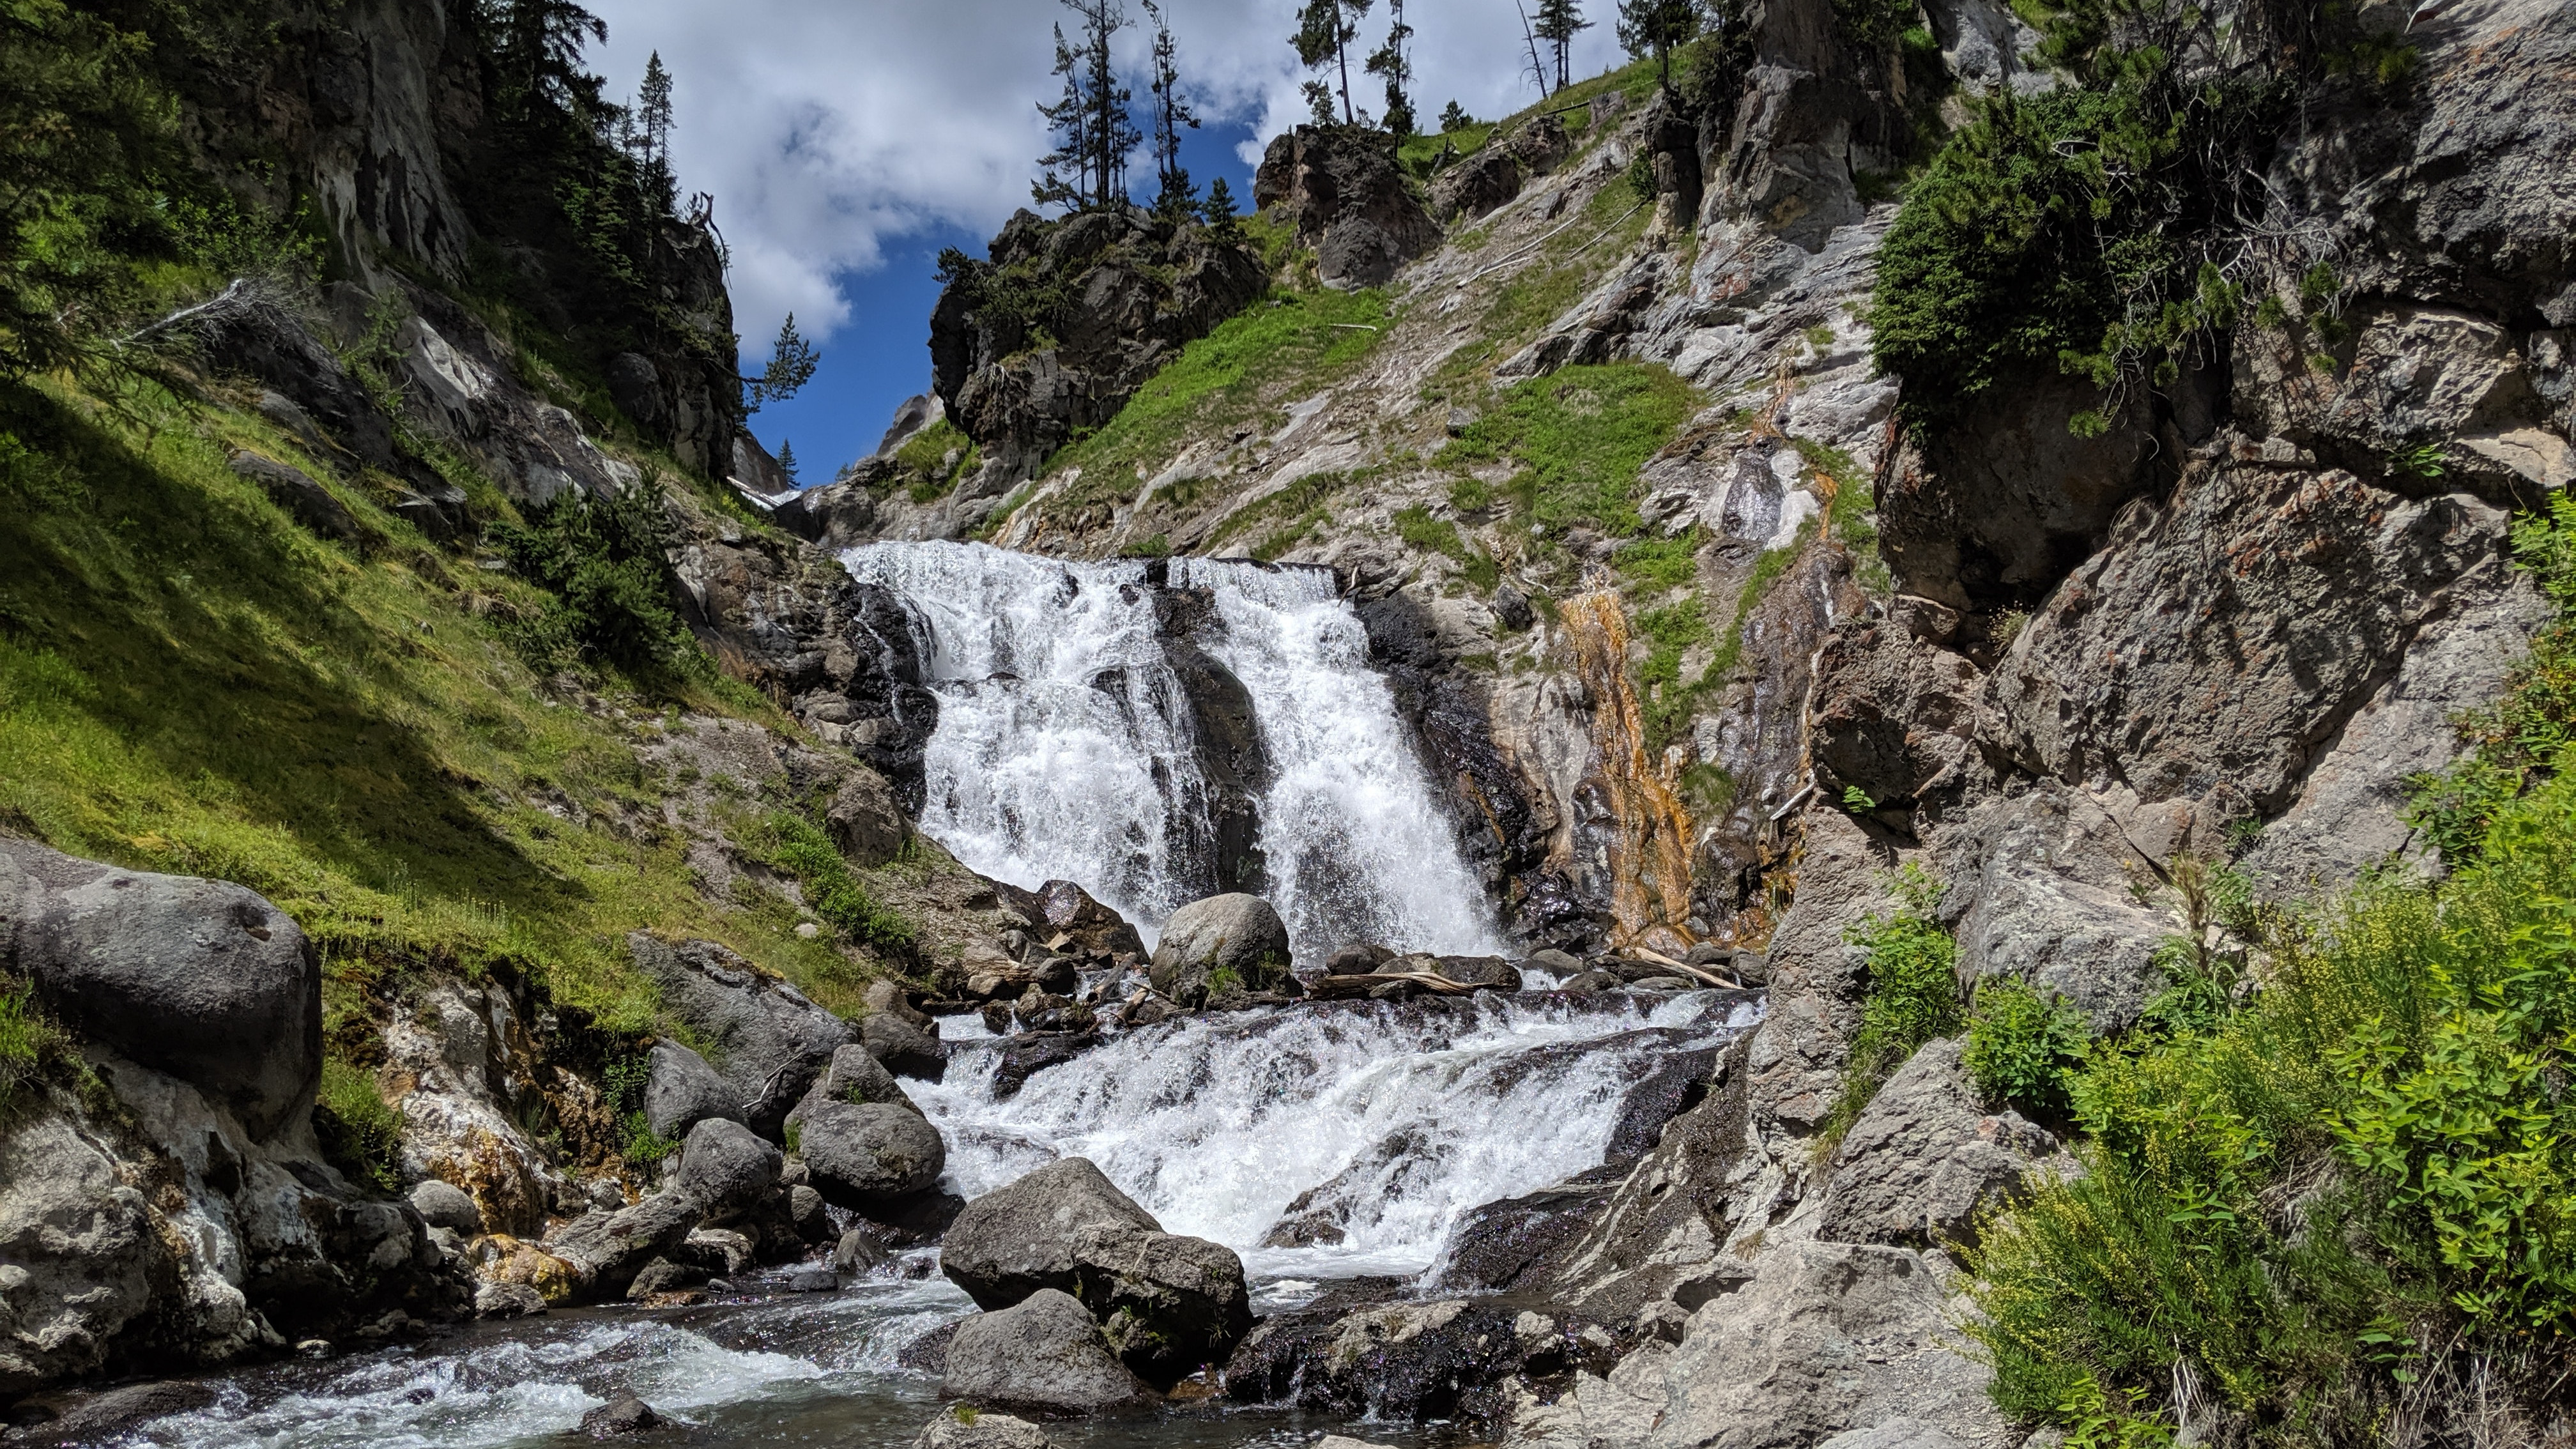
<point>1221,941</point>
<point>907,1048</point>
<point>725,1168</point>
<point>444,1205</point>
<point>861,1154</point>
<point>683,1091</point>
<point>1044,1354</point>
<point>1017,1240</point>
<point>202,979</point>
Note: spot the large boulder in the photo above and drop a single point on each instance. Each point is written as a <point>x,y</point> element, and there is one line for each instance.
<point>1209,944</point>
<point>604,1250</point>
<point>762,1035</point>
<point>201,979</point>
<point>907,1047</point>
<point>862,1154</point>
<point>1170,1305</point>
<point>854,1076</point>
<point>80,1253</point>
<point>726,1168</point>
<point>681,1090</point>
<point>1925,1162</point>
<point>1044,1354</point>
<point>1016,1240</point>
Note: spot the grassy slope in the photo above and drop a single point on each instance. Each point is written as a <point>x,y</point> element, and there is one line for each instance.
<point>191,682</point>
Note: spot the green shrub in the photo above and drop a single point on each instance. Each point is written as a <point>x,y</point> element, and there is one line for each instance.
<point>2022,1049</point>
<point>1912,969</point>
<point>2076,231</point>
<point>360,1133</point>
<point>1667,562</point>
<point>603,560</point>
<point>25,1038</point>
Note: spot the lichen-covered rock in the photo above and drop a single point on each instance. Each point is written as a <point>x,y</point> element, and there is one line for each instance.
<point>201,979</point>
<point>1045,1354</point>
<point>1925,1161</point>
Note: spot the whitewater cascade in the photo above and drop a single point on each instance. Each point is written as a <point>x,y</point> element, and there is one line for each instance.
<point>1067,746</point>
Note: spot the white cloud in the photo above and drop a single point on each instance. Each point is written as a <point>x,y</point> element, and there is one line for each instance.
<point>827,128</point>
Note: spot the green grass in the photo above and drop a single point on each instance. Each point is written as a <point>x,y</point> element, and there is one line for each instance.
<point>1542,287</point>
<point>1232,377</point>
<point>924,476</point>
<point>190,682</point>
<point>1666,562</point>
<point>361,1134</point>
<point>1285,517</point>
<point>26,1038</point>
<point>1579,438</point>
<point>1417,527</point>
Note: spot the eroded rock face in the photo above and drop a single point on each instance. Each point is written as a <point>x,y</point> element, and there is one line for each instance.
<point>80,1255</point>
<point>1045,1354</point>
<point>771,1043</point>
<point>1925,1160</point>
<point>201,979</point>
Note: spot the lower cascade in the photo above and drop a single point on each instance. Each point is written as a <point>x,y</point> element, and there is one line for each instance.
<point>1163,730</point>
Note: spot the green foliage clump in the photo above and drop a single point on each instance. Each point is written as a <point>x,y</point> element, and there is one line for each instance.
<point>25,1038</point>
<point>1912,967</point>
<point>2022,1048</point>
<point>799,847</point>
<point>2344,1192</point>
<point>2524,737</point>
<point>1417,527</point>
<point>360,1133</point>
<point>1667,562</point>
<point>2076,231</point>
<point>623,1083</point>
<point>1579,437</point>
<point>602,559</point>
<point>922,465</point>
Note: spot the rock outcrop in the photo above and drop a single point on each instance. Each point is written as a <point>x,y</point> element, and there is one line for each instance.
<point>1113,295</point>
<point>1341,188</point>
<point>770,1041</point>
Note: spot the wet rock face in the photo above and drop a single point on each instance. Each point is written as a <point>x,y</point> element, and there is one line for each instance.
<point>201,979</point>
<point>1349,201</point>
<point>1416,1360</point>
<point>1119,290</point>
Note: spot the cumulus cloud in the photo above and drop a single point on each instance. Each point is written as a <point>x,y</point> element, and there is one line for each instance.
<point>828,130</point>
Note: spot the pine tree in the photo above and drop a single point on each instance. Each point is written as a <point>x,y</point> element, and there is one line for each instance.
<point>792,361</point>
<point>1389,61</point>
<point>653,124</point>
<point>1069,122</point>
<point>1657,28</point>
<point>1174,196</point>
<point>1454,117</point>
<point>1219,209</point>
<point>787,459</point>
<point>538,51</point>
<point>1325,30</point>
<point>1559,21</point>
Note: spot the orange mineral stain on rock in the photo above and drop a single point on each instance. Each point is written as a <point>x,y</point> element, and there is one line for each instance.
<point>1649,829</point>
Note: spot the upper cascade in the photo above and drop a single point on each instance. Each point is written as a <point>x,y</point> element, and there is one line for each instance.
<point>1158,731</point>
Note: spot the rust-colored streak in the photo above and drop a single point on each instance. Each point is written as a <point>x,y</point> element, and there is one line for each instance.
<point>1650,828</point>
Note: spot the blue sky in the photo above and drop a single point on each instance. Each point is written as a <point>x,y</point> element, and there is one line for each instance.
<point>847,141</point>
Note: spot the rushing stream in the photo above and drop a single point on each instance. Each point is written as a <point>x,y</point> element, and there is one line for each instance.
<point>1319,1141</point>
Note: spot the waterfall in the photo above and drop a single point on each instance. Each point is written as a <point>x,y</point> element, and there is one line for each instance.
<point>1371,1126</point>
<point>1071,743</point>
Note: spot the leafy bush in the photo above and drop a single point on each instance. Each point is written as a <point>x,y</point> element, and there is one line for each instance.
<point>623,1083</point>
<point>1912,966</point>
<point>603,560</point>
<point>2353,1189</point>
<point>360,1133</point>
<point>2023,1048</point>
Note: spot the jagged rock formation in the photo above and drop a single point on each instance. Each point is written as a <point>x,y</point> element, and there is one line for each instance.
<point>1064,320</point>
<point>1340,186</point>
